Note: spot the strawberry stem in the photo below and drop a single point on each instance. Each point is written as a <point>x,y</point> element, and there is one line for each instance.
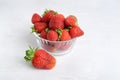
<point>68,28</point>
<point>33,29</point>
<point>47,29</point>
<point>27,59</point>
<point>30,54</point>
<point>59,31</point>
<point>46,11</point>
<point>54,13</point>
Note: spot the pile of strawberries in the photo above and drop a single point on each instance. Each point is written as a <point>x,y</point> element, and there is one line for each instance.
<point>54,26</point>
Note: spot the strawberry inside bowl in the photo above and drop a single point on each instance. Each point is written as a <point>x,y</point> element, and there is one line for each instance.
<point>55,47</point>
<point>54,32</point>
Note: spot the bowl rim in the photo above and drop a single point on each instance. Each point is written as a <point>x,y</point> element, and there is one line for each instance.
<point>37,36</point>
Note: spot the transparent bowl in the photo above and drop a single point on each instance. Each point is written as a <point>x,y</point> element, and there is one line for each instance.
<point>55,48</point>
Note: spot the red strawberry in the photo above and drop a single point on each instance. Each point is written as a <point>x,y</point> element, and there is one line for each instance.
<point>48,14</point>
<point>49,47</point>
<point>57,45</point>
<point>43,33</point>
<point>65,47</point>
<point>71,20</point>
<point>56,22</point>
<point>75,31</point>
<point>36,18</point>
<point>60,17</point>
<point>65,35</point>
<point>40,58</point>
<point>52,35</point>
<point>39,26</point>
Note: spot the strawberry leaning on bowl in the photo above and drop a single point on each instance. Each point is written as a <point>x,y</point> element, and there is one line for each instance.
<point>40,58</point>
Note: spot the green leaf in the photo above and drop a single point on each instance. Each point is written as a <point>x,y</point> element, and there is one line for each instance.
<point>30,53</point>
<point>67,29</point>
<point>33,29</point>
<point>27,59</point>
<point>59,31</point>
<point>55,13</point>
<point>46,11</point>
<point>47,29</point>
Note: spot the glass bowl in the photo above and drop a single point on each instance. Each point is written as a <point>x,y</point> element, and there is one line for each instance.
<point>55,48</point>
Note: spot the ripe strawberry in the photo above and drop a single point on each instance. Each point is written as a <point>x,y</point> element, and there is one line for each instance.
<point>43,33</point>
<point>65,47</point>
<point>60,17</point>
<point>39,26</point>
<point>52,35</point>
<point>75,31</point>
<point>49,47</point>
<point>57,21</point>
<point>36,18</point>
<point>57,45</point>
<point>40,58</point>
<point>65,35</point>
<point>71,20</point>
<point>48,14</point>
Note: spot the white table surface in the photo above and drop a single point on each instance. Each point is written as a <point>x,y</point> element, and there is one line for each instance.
<point>95,56</point>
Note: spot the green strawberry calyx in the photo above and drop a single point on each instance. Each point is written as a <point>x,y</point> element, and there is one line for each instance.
<point>47,29</point>
<point>59,31</point>
<point>54,13</point>
<point>48,10</point>
<point>30,54</point>
<point>68,28</point>
<point>33,29</point>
